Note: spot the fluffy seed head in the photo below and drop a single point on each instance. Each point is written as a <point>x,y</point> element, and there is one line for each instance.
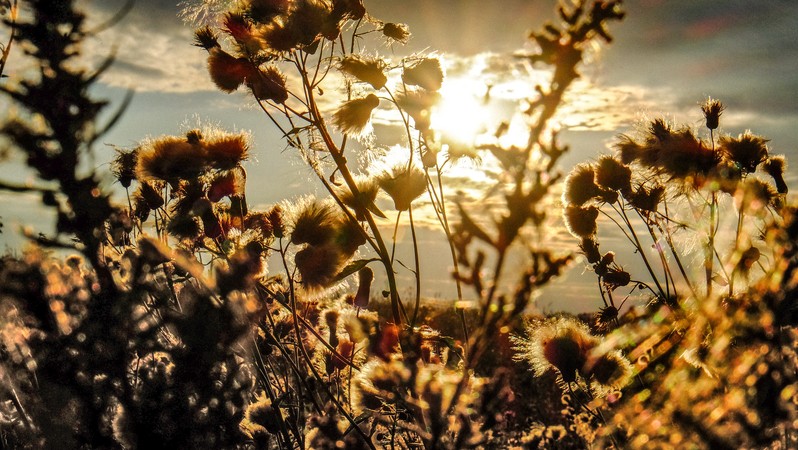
<point>775,166</point>
<point>367,70</point>
<point>368,188</point>
<point>590,248</point>
<point>612,174</point>
<point>123,166</point>
<point>314,222</point>
<point>264,10</point>
<point>646,199</point>
<point>170,158</point>
<point>318,265</point>
<point>756,194</point>
<point>560,343</point>
<point>418,104</point>
<point>580,220</point>
<point>398,32</point>
<point>227,71</point>
<point>685,156</point>
<point>747,150</point>
<point>609,369</point>
<point>353,116</point>
<point>226,151</point>
<point>380,382</point>
<point>403,185</point>
<point>580,186</point>
<point>240,28</point>
<point>712,110</point>
<point>268,84</point>
<point>426,74</point>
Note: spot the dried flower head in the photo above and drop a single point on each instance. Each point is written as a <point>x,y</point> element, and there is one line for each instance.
<point>613,175</point>
<point>747,150</point>
<point>426,74</point>
<point>560,343</point>
<point>302,27</point>
<point>240,28</point>
<point>646,199</point>
<point>259,222</point>
<point>610,370</point>
<point>147,198</point>
<point>367,70</point>
<point>205,37</point>
<point>268,83</point>
<point>403,184</point>
<point>226,151</point>
<point>262,412</point>
<point>380,382</point>
<point>581,220</point>
<point>367,188</point>
<point>227,71</point>
<point>185,227</point>
<point>318,265</point>
<point>223,185</point>
<point>684,156</point>
<point>775,166</point>
<point>350,236</point>
<point>590,248</point>
<point>748,258</point>
<point>123,166</point>
<point>398,32</point>
<point>275,216</point>
<point>265,10</point>
<point>712,110</point>
<point>353,116</point>
<point>170,158</point>
<point>348,10</point>
<point>580,186</point>
<point>314,221</point>
<point>614,278</point>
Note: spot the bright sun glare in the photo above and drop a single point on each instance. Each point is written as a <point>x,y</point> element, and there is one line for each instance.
<point>462,114</point>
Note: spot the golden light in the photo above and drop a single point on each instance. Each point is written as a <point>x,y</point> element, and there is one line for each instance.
<point>462,113</point>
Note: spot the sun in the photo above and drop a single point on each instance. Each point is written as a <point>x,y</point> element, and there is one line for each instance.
<point>462,113</point>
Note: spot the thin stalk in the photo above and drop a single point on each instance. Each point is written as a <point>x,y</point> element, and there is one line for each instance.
<point>418,269</point>
<point>663,260</point>
<point>709,259</point>
<point>676,257</point>
<point>639,247</point>
<point>737,234</point>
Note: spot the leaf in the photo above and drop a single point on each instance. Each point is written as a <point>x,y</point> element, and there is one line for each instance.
<point>719,279</point>
<point>376,211</point>
<point>296,131</point>
<point>352,267</point>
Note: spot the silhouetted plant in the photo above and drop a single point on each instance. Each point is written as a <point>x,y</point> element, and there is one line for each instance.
<point>188,319</point>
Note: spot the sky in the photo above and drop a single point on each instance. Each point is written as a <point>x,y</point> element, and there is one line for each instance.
<point>668,56</point>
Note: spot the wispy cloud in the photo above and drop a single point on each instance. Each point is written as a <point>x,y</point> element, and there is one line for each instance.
<point>152,50</point>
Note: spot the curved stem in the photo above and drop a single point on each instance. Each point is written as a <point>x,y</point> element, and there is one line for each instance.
<point>418,269</point>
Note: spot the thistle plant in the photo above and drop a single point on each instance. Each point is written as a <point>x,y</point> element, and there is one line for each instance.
<point>184,317</point>
<point>662,189</point>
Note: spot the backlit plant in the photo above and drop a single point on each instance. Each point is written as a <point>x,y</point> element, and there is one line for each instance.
<point>183,317</point>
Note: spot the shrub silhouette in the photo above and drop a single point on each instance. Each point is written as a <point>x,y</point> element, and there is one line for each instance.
<point>169,326</point>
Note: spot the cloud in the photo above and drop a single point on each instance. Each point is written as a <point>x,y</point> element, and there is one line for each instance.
<point>152,48</point>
